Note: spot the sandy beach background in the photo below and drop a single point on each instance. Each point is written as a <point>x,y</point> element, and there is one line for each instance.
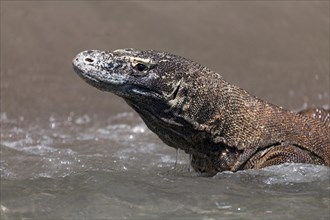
<point>277,50</point>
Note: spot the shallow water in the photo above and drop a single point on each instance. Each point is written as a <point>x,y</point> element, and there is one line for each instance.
<point>81,167</point>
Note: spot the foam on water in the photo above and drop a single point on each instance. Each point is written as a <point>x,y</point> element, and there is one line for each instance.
<point>124,171</point>
<point>74,142</point>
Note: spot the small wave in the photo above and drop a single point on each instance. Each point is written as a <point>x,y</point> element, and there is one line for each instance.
<point>286,173</point>
<point>123,142</point>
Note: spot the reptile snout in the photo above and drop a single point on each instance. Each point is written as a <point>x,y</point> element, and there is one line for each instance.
<point>83,62</point>
<point>86,57</point>
<point>89,56</point>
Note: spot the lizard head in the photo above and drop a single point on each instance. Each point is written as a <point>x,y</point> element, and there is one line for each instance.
<point>169,92</point>
<point>133,75</point>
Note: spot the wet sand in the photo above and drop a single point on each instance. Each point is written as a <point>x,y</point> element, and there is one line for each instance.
<point>277,50</point>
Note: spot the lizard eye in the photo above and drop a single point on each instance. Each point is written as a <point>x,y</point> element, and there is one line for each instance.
<point>140,67</point>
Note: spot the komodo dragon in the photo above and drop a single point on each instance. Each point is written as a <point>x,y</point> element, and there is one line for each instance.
<point>193,108</point>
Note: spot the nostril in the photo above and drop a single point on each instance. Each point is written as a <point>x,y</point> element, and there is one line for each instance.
<point>89,60</point>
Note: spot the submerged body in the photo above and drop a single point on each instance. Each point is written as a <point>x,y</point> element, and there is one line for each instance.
<point>193,108</point>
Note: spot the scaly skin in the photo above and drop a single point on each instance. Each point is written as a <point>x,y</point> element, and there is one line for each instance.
<point>193,108</point>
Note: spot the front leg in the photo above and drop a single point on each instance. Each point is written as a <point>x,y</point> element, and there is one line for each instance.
<point>281,154</point>
<point>214,162</point>
<point>203,164</point>
<point>243,158</point>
